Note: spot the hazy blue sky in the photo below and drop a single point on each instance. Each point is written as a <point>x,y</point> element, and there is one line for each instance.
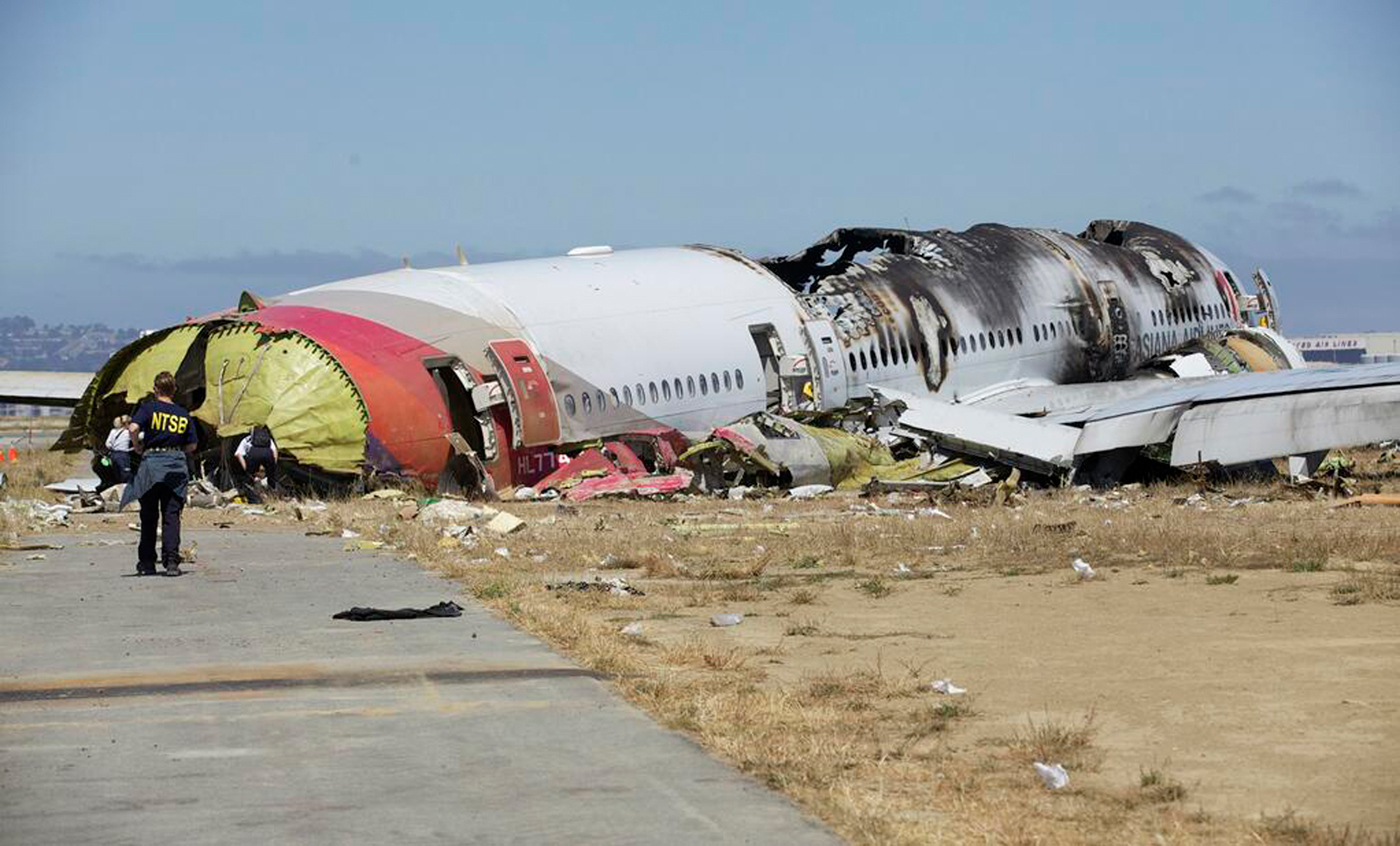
<point>156,158</point>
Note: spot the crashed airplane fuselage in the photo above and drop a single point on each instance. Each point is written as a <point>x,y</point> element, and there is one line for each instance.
<point>444,374</point>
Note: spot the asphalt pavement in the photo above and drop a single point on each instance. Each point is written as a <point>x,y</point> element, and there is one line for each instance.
<point>226,706</point>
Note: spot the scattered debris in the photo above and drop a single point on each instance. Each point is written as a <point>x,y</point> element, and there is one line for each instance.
<point>1054,528</point>
<point>385,493</point>
<point>1052,776</point>
<point>38,556</point>
<point>614,585</point>
<point>947,688</point>
<point>349,533</point>
<point>723,620</point>
<point>631,630</point>
<point>453,512</point>
<point>361,614</point>
<point>504,523</point>
<point>364,545</point>
<point>1083,569</point>
<point>809,491</point>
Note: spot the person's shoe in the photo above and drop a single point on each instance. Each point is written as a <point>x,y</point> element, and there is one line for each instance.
<point>173,570</point>
<point>145,569</point>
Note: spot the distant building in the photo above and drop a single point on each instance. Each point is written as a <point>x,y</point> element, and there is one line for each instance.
<point>1350,348</point>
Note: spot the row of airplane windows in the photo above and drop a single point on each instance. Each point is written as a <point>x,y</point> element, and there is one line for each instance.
<point>599,400</point>
<point>883,356</point>
<point>1048,331</point>
<point>1168,317</point>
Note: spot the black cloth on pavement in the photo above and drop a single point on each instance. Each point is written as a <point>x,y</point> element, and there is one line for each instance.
<point>442,609</point>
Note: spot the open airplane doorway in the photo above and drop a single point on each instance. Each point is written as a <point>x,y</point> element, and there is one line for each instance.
<point>471,434</point>
<point>770,355</point>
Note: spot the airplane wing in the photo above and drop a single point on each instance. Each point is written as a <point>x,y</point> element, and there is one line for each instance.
<point>36,387</point>
<point>1230,419</point>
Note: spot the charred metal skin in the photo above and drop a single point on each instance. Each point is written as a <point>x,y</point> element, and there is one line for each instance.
<point>995,302</point>
<point>488,369</point>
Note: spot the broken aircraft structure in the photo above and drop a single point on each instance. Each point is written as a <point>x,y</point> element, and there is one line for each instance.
<point>1016,344</point>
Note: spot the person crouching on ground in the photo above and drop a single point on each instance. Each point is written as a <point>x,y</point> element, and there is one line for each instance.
<point>119,448</point>
<point>163,433</point>
<point>257,450</point>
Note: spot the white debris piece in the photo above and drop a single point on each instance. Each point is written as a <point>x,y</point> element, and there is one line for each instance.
<point>933,512</point>
<point>721,620</point>
<point>1053,776</point>
<point>504,523</point>
<point>738,492</point>
<point>448,511</point>
<point>38,556</point>
<point>947,688</point>
<point>503,552</point>
<point>632,630</point>
<point>349,533</point>
<point>74,486</point>
<point>1083,569</point>
<point>809,491</point>
<point>975,480</point>
<point>903,569</point>
<point>526,494</point>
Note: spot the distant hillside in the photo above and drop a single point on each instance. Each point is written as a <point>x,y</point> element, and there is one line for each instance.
<point>27,346</point>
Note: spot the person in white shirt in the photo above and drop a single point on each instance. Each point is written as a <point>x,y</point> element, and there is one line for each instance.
<point>119,447</point>
<point>257,451</point>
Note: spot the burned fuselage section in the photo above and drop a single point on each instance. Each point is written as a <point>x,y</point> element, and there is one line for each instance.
<point>954,312</point>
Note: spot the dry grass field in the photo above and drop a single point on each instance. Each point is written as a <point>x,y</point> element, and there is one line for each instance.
<point>1231,674</point>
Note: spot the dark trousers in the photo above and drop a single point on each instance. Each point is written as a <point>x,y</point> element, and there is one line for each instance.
<point>121,459</point>
<point>248,483</point>
<point>160,503</point>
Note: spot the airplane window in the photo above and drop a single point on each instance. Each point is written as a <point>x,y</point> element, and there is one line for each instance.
<point>1000,340</point>
<point>677,383</point>
<point>587,403</point>
<point>739,379</point>
<point>641,394</point>
<point>665,390</point>
<point>981,341</point>
<point>904,347</point>
<point>862,367</point>
<point>942,347</point>
<point>726,373</point>
<point>1020,338</point>
<point>884,356</point>
<point>627,395</point>
<point>714,383</point>
<point>1054,331</point>
<point>704,386</point>
<point>1035,333</point>
<point>654,396</point>
<point>617,400</point>
<point>602,402</point>
<point>853,360</point>
<point>570,407</point>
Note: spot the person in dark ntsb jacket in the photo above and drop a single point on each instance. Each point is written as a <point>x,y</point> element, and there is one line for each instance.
<point>162,433</point>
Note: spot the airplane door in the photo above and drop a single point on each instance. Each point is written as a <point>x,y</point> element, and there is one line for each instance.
<point>825,364</point>
<point>534,414</point>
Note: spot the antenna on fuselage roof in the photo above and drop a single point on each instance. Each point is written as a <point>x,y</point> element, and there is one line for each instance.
<point>405,262</point>
<point>461,256</point>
